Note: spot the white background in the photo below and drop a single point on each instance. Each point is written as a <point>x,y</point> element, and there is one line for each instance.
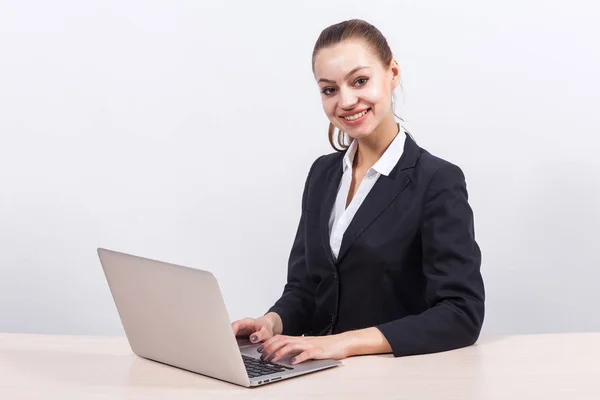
<point>184,130</point>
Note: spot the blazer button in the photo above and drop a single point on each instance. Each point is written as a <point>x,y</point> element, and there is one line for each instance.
<point>335,276</point>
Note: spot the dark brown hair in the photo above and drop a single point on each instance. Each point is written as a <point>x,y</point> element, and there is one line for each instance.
<point>352,29</point>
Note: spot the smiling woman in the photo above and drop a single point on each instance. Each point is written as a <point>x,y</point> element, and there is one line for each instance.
<point>385,257</point>
<point>357,76</point>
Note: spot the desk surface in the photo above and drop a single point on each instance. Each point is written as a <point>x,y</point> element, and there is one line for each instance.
<point>549,366</point>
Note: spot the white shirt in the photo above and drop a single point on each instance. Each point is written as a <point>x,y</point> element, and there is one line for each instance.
<point>341,216</point>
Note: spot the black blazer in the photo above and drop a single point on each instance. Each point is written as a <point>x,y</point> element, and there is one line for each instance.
<point>408,263</point>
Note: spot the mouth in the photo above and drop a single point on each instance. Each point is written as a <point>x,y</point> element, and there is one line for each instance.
<point>356,118</point>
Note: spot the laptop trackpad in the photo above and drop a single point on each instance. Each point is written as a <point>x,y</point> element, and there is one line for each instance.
<point>244,342</point>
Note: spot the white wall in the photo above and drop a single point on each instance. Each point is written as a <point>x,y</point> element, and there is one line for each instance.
<point>184,130</point>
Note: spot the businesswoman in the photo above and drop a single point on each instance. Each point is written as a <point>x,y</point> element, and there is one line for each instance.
<point>385,258</point>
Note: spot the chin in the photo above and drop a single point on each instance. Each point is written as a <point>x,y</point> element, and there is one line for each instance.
<point>359,132</point>
<point>358,135</point>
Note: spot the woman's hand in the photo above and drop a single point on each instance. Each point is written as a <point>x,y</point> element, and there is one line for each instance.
<point>259,329</point>
<point>306,347</point>
<point>347,344</point>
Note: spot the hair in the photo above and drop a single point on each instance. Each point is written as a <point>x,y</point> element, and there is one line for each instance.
<point>351,29</point>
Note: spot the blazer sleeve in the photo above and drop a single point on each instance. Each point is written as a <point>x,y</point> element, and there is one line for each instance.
<point>451,264</point>
<point>296,305</point>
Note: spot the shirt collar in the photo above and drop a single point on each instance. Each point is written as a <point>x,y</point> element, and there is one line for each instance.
<point>387,161</point>
<point>349,156</point>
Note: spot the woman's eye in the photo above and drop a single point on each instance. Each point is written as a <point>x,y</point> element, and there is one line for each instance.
<point>328,91</point>
<point>361,81</point>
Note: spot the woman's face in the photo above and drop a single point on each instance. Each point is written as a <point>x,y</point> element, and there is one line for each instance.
<point>356,89</point>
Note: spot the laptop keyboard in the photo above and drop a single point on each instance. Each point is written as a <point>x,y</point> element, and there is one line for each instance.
<point>257,367</point>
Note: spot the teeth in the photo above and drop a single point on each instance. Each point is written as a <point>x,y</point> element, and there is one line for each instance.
<point>356,116</point>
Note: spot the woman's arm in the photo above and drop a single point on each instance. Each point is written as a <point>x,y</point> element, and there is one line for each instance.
<point>365,341</point>
<point>296,305</point>
<point>451,264</point>
<point>337,347</point>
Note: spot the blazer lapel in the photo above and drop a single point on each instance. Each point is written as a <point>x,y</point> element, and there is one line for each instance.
<point>383,193</point>
<point>332,183</point>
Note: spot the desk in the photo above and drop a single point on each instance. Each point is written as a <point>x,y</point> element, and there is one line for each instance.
<point>549,366</point>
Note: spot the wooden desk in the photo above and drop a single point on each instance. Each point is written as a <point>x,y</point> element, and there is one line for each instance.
<point>565,366</point>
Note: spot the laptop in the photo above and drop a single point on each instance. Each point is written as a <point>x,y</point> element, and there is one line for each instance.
<point>176,315</point>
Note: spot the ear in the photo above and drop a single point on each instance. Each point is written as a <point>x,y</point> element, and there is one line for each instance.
<point>395,70</point>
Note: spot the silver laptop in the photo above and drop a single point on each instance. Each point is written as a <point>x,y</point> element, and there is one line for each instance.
<point>176,315</point>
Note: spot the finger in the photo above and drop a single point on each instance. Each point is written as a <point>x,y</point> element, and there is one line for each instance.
<point>305,355</point>
<point>236,327</point>
<point>290,348</point>
<point>260,336</point>
<point>244,327</point>
<point>272,345</point>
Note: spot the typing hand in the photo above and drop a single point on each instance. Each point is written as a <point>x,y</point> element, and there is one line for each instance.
<point>259,329</point>
<point>306,347</point>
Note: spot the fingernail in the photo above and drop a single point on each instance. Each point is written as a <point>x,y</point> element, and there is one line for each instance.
<point>262,358</point>
<point>260,349</point>
<point>271,358</point>
<point>254,338</point>
<point>293,360</point>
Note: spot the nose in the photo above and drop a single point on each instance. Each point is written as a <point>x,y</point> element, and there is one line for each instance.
<point>347,99</point>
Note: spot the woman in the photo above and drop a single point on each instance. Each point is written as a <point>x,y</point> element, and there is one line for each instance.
<point>385,258</point>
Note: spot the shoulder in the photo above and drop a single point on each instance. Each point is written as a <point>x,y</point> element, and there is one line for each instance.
<point>427,166</point>
<point>327,160</point>
<point>433,166</point>
<point>440,178</point>
<point>325,163</point>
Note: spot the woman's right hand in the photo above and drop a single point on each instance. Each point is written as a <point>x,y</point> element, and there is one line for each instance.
<point>259,329</point>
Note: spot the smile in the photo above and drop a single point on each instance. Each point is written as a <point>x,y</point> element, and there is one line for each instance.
<point>356,116</point>
<point>356,119</point>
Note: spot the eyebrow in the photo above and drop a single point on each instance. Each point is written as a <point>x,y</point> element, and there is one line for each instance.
<point>347,75</point>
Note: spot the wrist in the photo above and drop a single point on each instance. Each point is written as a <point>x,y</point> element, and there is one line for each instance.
<point>274,321</point>
<point>364,341</point>
<point>349,343</point>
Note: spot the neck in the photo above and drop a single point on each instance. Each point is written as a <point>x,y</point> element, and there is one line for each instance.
<point>371,147</point>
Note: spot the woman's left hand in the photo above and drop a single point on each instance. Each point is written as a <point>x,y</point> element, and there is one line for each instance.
<point>307,347</point>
